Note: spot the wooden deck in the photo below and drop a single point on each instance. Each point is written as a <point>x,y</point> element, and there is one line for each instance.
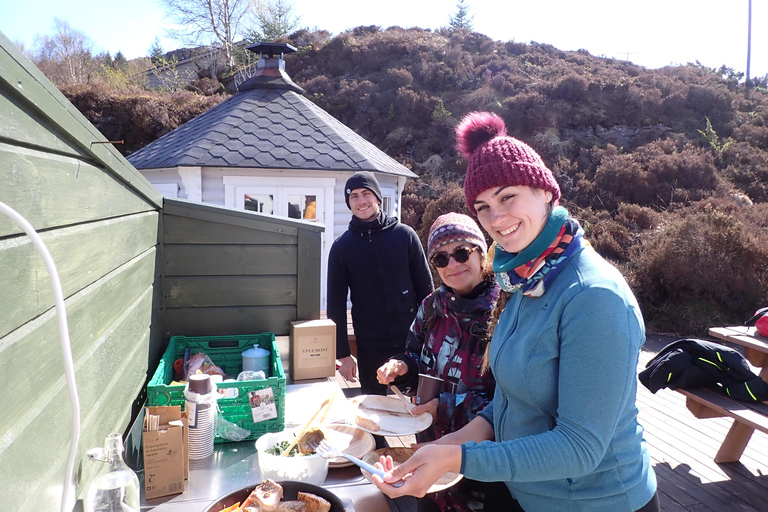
<point>682,449</point>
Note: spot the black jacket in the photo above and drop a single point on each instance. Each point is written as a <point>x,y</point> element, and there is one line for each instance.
<point>691,363</point>
<point>382,264</point>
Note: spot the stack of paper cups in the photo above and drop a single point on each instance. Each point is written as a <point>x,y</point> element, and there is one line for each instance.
<point>200,395</point>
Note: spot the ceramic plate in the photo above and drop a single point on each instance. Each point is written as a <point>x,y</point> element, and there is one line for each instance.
<point>349,440</point>
<point>388,413</point>
<point>400,455</point>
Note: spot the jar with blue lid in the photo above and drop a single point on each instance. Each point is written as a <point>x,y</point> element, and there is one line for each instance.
<point>256,359</point>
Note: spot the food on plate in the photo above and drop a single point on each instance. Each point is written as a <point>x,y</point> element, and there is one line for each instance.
<point>265,497</point>
<point>309,439</point>
<point>268,495</point>
<point>292,506</point>
<point>314,502</point>
<point>367,423</point>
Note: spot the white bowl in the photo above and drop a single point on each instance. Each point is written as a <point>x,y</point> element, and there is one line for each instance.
<point>311,469</point>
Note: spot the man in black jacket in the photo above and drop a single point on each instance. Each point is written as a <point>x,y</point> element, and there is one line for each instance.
<point>382,264</point>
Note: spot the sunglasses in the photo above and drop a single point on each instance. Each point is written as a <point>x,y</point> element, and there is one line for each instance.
<point>462,254</point>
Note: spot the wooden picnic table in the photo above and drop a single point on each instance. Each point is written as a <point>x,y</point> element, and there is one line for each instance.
<point>747,417</point>
<point>755,346</point>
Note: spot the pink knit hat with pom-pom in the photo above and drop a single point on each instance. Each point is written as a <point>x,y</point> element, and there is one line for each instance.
<point>497,160</point>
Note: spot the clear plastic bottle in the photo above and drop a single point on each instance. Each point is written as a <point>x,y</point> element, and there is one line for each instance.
<point>116,489</point>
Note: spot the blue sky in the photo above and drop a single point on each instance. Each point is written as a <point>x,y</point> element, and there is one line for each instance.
<point>652,33</point>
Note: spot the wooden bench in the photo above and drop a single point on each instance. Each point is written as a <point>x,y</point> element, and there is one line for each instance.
<point>704,403</point>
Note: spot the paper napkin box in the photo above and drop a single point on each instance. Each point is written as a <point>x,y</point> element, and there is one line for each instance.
<point>313,349</point>
<point>166,463</point>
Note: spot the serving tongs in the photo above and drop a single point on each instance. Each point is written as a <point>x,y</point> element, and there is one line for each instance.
<point>328,402</point>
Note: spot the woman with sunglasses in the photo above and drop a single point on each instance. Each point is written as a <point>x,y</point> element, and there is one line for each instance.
<point>562,430</point>
<point>448,339</point>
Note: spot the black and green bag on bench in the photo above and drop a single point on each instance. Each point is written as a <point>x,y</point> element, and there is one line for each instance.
<point>693,363</point>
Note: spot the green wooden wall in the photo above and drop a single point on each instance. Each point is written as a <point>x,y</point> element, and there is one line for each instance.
<point>99,219</point>
<point>228,271</point>
<point>135,270</point>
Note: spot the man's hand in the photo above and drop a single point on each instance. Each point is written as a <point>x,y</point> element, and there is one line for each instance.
<point>390,370</point>
<point>348,369</point>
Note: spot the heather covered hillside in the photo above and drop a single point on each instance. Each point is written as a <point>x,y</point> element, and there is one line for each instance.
<point>666,169</point>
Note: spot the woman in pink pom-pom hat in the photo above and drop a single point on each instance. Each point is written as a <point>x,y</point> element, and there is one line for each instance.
<point>562,429</point>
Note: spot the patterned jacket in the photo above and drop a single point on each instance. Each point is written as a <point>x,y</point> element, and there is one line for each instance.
<point>447,339</point>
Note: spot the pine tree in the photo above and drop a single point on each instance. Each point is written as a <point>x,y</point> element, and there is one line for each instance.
<point>156,50</point>
<point>462,19</point>
<point>120,62</point>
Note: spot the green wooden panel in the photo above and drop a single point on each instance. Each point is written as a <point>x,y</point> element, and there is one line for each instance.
<point>195,291</point>
<point>236,217</point>
<point>20,125</point>
<point>29,87</point>
<point>308,304</point>
<point>32,468</point>
<point>52,190</point>
<point>185,230</point>
<point>82,254</point>
<point>225,321</point>
<point>222,260</point>
<point>34,347</point>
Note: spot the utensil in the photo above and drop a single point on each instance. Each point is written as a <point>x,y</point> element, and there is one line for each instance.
<point>348,439</point>
<point>402,397</point>
<point>327,451</point>
<point>399,456</point>
<point>327,401</point>
<point>330,403</point>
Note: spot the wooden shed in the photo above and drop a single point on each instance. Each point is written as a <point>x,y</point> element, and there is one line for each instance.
<point>135,269</point>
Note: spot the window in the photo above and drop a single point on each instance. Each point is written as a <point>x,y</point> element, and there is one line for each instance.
<point>301,206</point>
<point>387,203</point>
<point>262,203</point>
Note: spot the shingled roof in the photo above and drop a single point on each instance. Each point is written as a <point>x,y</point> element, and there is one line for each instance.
<point>268,125</point>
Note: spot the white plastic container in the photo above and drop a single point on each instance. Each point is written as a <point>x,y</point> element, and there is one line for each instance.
<point>311,469</point>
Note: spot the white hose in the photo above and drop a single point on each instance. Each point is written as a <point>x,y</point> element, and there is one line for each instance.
<point>66,347</point>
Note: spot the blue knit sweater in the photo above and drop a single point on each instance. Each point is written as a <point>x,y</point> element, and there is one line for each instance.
<point>564,408</point>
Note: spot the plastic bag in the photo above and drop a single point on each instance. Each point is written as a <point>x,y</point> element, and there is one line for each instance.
<point>202,363</point>
<point>228,430</point>
<point>251,375</point>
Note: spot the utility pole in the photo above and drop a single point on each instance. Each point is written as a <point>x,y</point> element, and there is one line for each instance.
<point>749,39</point>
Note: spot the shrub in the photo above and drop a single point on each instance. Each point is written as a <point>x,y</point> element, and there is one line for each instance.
<point>705,266</point>
<point>658,174</point>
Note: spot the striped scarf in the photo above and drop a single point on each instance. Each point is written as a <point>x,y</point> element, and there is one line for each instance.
<point>535,267</point>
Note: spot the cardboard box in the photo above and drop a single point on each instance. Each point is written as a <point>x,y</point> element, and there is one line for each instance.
<point>166,462</point>
<point>313,349</point>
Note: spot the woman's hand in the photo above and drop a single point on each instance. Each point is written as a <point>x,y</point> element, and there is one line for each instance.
<point>430,407</point>
<point>390,370</point>
<point>420,472</point>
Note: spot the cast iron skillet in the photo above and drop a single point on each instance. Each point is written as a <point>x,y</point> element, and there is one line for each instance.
<point>290,492</point>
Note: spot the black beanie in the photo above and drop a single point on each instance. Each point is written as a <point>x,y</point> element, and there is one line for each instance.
<point>362,179</point>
